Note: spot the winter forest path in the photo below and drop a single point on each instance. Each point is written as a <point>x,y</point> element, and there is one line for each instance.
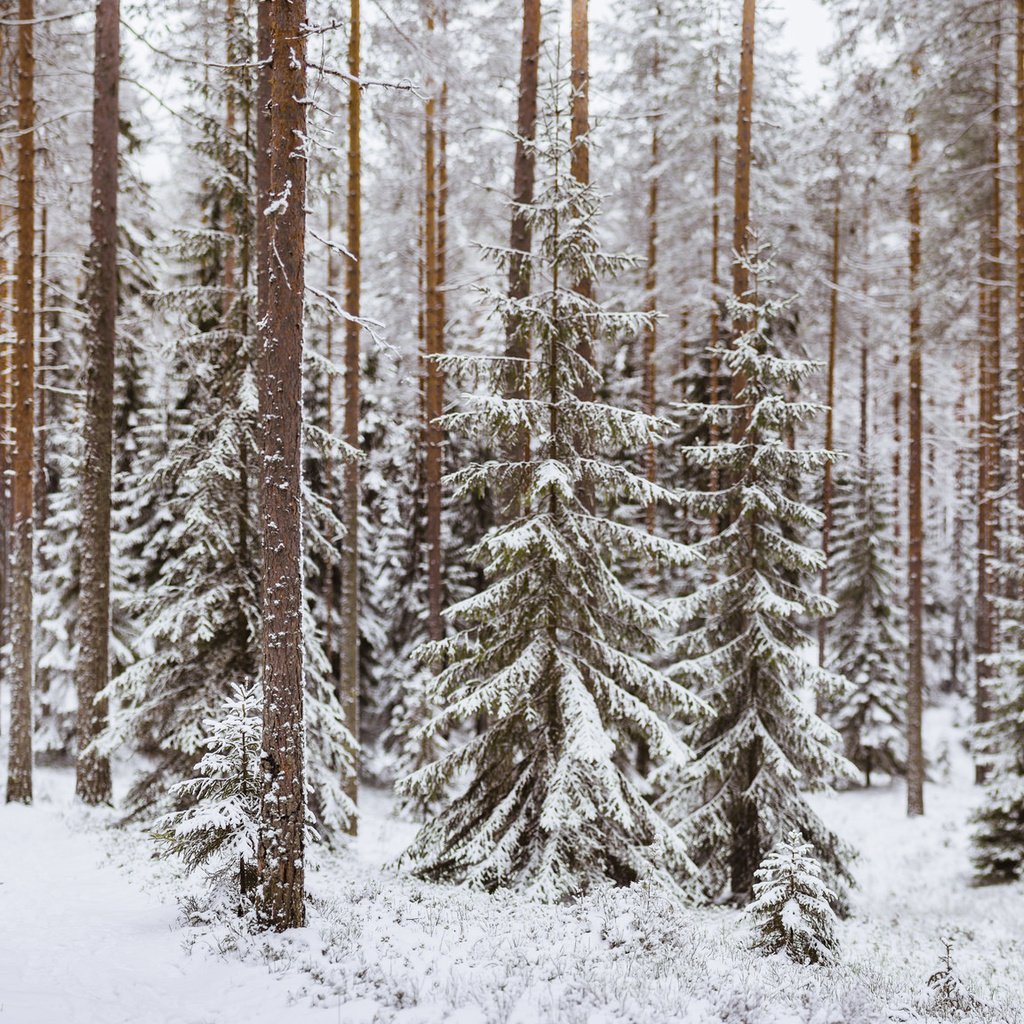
<point>81,942</point>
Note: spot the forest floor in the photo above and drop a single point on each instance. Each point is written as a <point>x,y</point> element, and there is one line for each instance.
<point>92,932</point>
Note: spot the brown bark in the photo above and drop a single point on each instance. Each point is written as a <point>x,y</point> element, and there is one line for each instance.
<point>915,539</point>
<point>350,498</point>
<point>716,230</point>
<point>517,341</point>
<point>741,186</point>
<point>650,337</point>
<point>579,164</point>
<point>5,450</point>
<point>988,433</point>
<point>1019,250</point>
<point>280,227</point>
<point>19,763</point>
<point>92,673</point>
<point>433,435</point>
<point>830,394</point>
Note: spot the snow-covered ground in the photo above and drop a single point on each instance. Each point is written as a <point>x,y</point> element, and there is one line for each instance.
<point>91,932</point>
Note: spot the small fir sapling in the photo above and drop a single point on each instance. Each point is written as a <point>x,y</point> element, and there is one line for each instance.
<point>545,658</point>
<point>792,908</point>
<point>947,992</point>
<point>219,826</point>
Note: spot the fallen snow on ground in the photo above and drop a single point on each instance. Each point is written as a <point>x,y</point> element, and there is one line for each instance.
<point>92,933</point>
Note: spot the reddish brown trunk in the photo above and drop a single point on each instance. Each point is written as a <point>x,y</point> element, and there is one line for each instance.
<point>741,186</point>
<point>830,395</point>
<point>19,763</point>
<point>350,503</point>
<point>280,226</point>
<point>517,341</point>
<point>433,435</point>
<point>579,128</point>
<point>93,631</point>
<point>915,539</point>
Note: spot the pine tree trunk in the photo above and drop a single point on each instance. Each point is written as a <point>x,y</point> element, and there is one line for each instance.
<point>716,243</point>
<point>650,337</point>
<point>19,763</point>
<point>280,226</point>
<point>433,435</point>
<point>92,782</point>
<point>350,501</point>
<point>989,420</point>
<point>517,342</point>
<point>579,165</point>
<point>915,541</point>
<point>5,452</point>
<point>830,396</point>
<point>741,186</point>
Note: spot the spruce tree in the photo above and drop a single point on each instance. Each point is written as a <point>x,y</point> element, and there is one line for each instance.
<point>999,822</point>
<point>545,657</point>
<point>869,646</point>
<point>792,909</point>
<point>744,647</point>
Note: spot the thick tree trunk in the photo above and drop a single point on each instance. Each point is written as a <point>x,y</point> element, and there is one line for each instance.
<point>280,226</point>
<point>19,763</point>
<point>6,442</point>
<point>915,540</point>
<point>350,498</point>
<point>433,435</point>
<point>92,782</point>
<point>830,396</point>
<point>517,341</point>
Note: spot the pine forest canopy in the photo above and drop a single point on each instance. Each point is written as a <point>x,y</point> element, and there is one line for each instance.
<point>587,422</point>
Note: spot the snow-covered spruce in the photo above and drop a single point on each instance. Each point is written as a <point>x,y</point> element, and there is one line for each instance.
<point>792,909</point>
<point>744,648</point>
<point>869,643</point>
<point>999,821</point>
<point>546,654</point>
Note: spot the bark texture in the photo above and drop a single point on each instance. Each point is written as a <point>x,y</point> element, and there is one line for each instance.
<point>280,226</point>
<point>19,758</point>
<point>350,497</point>
<point>92,673</point>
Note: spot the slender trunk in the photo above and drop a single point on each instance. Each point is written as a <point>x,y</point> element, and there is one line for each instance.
<point>433,434</point>
<point>19,763</point>
<point>5,452</point>
<point>826,491</point>
<point>93,630</point>
<point>989,402</point>
<point>716,242</point>
<point>517,340</point>
<point>741,189</point>
<point>650,337</point>
<point>579,164</point>
<point>280,227</point>
<point>350,504</point>
<point>915,540</point>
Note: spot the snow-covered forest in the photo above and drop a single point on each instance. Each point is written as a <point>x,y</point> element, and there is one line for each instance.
<point>512,511</point>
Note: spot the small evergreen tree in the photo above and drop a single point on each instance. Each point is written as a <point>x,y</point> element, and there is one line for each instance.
<point>544,657</point>
<point>868,630</point>
<point>792,908</point>
<point>744,646</point>
<point>999,822</point>
<point>219,827</point>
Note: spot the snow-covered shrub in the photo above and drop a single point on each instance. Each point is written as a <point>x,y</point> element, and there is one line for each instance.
<point>948,994</point>
<point>792,908</point>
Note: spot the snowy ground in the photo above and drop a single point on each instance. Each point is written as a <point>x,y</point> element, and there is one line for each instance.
<point>91,933</point>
